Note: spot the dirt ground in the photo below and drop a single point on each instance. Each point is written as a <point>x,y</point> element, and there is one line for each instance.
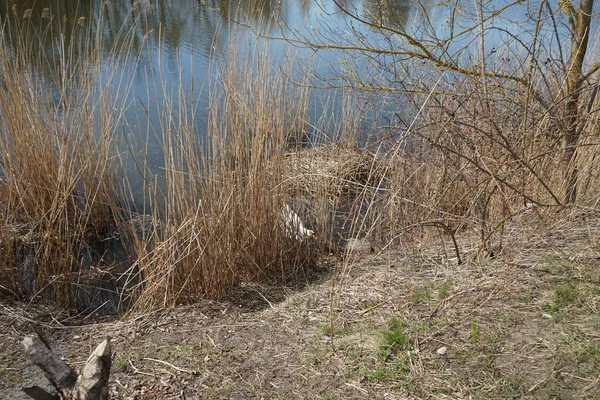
<point>403,324</point>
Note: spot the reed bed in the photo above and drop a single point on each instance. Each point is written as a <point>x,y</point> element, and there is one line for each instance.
<point>64,208</point>
<point>58,163</point>
<point>224,198</point>
<point>461,163</point>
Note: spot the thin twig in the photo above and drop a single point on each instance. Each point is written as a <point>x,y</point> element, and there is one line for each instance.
<point>187,371</point>
<point>136,370</point>
<point>367,310</point>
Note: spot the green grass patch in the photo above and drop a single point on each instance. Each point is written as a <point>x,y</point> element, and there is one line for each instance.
<point>394,339</point>
<point>393,364</point>
<point>526,300</point>
<point>332,327</point>
<point>122,364</point>
<point>42,312</point>
<point>420,294</point>
<point>554,310</point>
<point>551,308</point>
<point>444,289</point>
<point>493,338</point>
<point>183,348</point>
<point>396,371</point>
<point>511,387</point>
<point>559,266</point>
<point>587,355</point>
<point>565,294</point>
<point>577,353</point>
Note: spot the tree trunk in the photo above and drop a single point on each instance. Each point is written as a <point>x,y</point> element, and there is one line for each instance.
<point>581,33</point>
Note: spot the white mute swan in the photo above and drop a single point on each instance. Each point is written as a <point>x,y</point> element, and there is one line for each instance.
<point>294,228</point>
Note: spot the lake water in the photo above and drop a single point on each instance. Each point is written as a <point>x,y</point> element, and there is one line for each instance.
<point>174,43</point>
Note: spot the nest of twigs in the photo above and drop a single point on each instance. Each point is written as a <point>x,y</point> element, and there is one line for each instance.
<point>332,171</point>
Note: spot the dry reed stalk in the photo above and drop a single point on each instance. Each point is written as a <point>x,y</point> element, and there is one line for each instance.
<point>59,160</point>
<point>222,210</point>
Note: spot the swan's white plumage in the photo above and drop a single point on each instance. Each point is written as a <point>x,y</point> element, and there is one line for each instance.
<point>294,228</point>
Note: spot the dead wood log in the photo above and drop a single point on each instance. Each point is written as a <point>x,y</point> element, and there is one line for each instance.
<point>55,369</point>
<point>93,381</point>
<point>92,384</point>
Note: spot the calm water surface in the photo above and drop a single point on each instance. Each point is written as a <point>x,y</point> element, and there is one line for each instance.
<point>174,43</point>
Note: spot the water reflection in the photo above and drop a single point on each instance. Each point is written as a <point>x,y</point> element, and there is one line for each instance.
<point>178,24</point>
<point>148,49</point>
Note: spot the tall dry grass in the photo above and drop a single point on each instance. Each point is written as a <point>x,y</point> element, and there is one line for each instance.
<point>473,162</point>
<point>217,219</point>
<point>224,196</point>
<point>475,157</point>
<point>62,198</point>
<point>58,162</point>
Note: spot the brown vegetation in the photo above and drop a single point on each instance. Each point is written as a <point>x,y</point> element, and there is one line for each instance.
<point>57,186</point>
<point>474,152</point>
<point>480,247</point>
